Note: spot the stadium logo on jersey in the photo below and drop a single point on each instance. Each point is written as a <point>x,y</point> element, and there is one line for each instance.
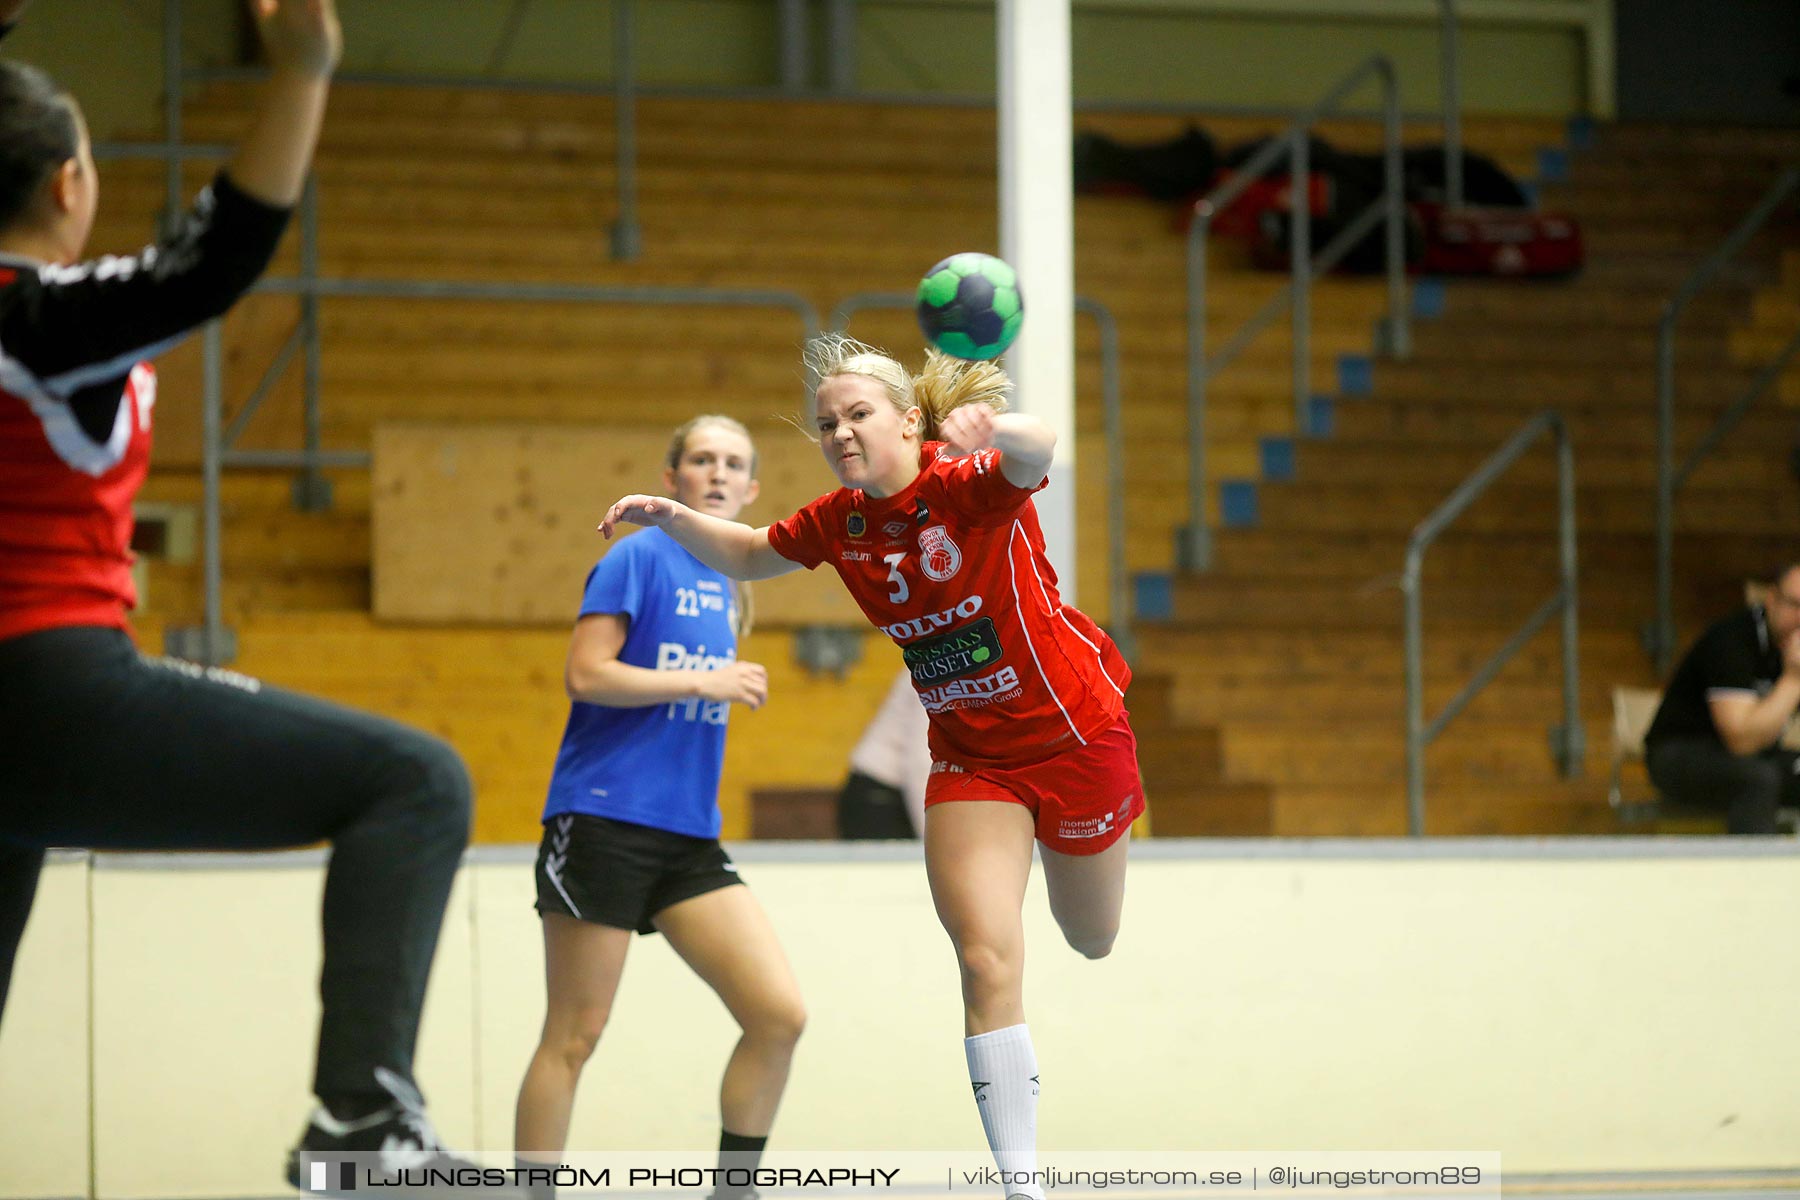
<point>894,528</point>
<point>953,655</point>
<point>939,557</point>
<point>920,626</point>
<point>855,524</point>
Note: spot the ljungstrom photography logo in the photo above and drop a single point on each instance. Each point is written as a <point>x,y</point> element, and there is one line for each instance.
<point>331,1177</point>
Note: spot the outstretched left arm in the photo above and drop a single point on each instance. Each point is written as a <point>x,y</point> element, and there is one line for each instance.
<point>1026,444</point>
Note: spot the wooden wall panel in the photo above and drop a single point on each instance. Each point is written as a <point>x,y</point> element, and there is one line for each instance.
<point>497,523</point>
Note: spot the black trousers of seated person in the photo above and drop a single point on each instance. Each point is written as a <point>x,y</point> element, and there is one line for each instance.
<point>102,748</point>
<point>1747,788</point>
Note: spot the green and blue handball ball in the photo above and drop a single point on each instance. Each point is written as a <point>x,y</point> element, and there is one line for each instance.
<point>970,306</point>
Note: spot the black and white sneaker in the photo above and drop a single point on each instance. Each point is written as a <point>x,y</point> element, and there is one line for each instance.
<point>396,1143</point>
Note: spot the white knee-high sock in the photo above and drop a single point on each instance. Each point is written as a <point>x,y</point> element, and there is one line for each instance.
<point>1004,1072</point>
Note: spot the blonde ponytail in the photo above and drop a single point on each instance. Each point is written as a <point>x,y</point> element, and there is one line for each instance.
<point>945,384</point>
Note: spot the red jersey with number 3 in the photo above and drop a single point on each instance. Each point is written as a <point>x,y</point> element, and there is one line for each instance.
<point>953,569</point>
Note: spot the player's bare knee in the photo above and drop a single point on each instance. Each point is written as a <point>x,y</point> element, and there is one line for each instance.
<point>1091,941</point>
<point>986,969</point>
<point>778,1025</point>
<point>575,1043</point>
<point>1093,946</point>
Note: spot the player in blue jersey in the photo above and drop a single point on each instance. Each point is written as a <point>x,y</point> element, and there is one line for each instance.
<point>631,828</point>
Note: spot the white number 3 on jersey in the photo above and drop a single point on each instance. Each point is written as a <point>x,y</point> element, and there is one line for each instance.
<point>899,594</point>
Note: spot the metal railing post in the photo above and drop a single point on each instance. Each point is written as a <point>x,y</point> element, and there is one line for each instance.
<point>312,491</point>
<point>1570,749</point>
<point>796,45</point>
<point>1567,743</point>
<point>213,404</point>
<point>1300,271</point>
<point>1452,84</point>
<point>1415,692</point>
<point>627,237</point>
<point>1662,633</point>
<point>211,642</point>
<point>1396,335</point>
<point>1118,592</point>
<point>173,201</point>
<point>1193,548</point>
<point>1660,637</point>
<point>840,48</point>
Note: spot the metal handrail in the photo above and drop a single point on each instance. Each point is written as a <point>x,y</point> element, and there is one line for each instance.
<point>1118,594</point>
<point>1194,542</point>
<point>1669,478</point>
<point>1566,739</point>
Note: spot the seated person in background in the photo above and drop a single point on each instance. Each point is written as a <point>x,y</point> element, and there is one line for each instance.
<point>1716,738</point>
<point>884,797</point>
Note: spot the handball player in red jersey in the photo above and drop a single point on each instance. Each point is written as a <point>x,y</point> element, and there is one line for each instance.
<point>936,536</point>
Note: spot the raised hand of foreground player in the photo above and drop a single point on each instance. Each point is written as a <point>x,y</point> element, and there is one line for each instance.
<point>300,35</point>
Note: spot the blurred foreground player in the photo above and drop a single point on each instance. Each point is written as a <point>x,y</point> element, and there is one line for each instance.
<point>109,750</point>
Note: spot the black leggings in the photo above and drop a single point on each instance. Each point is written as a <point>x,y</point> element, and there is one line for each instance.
<point>103,749</point>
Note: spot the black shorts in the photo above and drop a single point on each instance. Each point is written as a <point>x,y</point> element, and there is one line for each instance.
<point>619,874</point>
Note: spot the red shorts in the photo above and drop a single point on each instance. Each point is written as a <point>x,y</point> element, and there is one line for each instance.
<point>1083,800</point>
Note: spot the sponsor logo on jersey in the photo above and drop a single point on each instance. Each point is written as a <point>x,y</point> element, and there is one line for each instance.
<point>856,556</point>
<point>894,528</point>
<point>939,557</point>
<point>921,514</point>
<point>972,693</point>
<point>932,622</point>
<point>674,656</point>
<point>856,524</point>
<point>953,655</point>
<point>1092,827</point>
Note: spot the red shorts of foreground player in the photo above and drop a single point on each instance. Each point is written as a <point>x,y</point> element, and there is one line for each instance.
<point>1083,800</point>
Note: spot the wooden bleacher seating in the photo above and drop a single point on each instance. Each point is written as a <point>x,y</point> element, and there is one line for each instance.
<point>1271,703</point>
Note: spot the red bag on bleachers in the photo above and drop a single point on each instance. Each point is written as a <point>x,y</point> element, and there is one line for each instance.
<point>1243,216</point>
<point>1497,241</point>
